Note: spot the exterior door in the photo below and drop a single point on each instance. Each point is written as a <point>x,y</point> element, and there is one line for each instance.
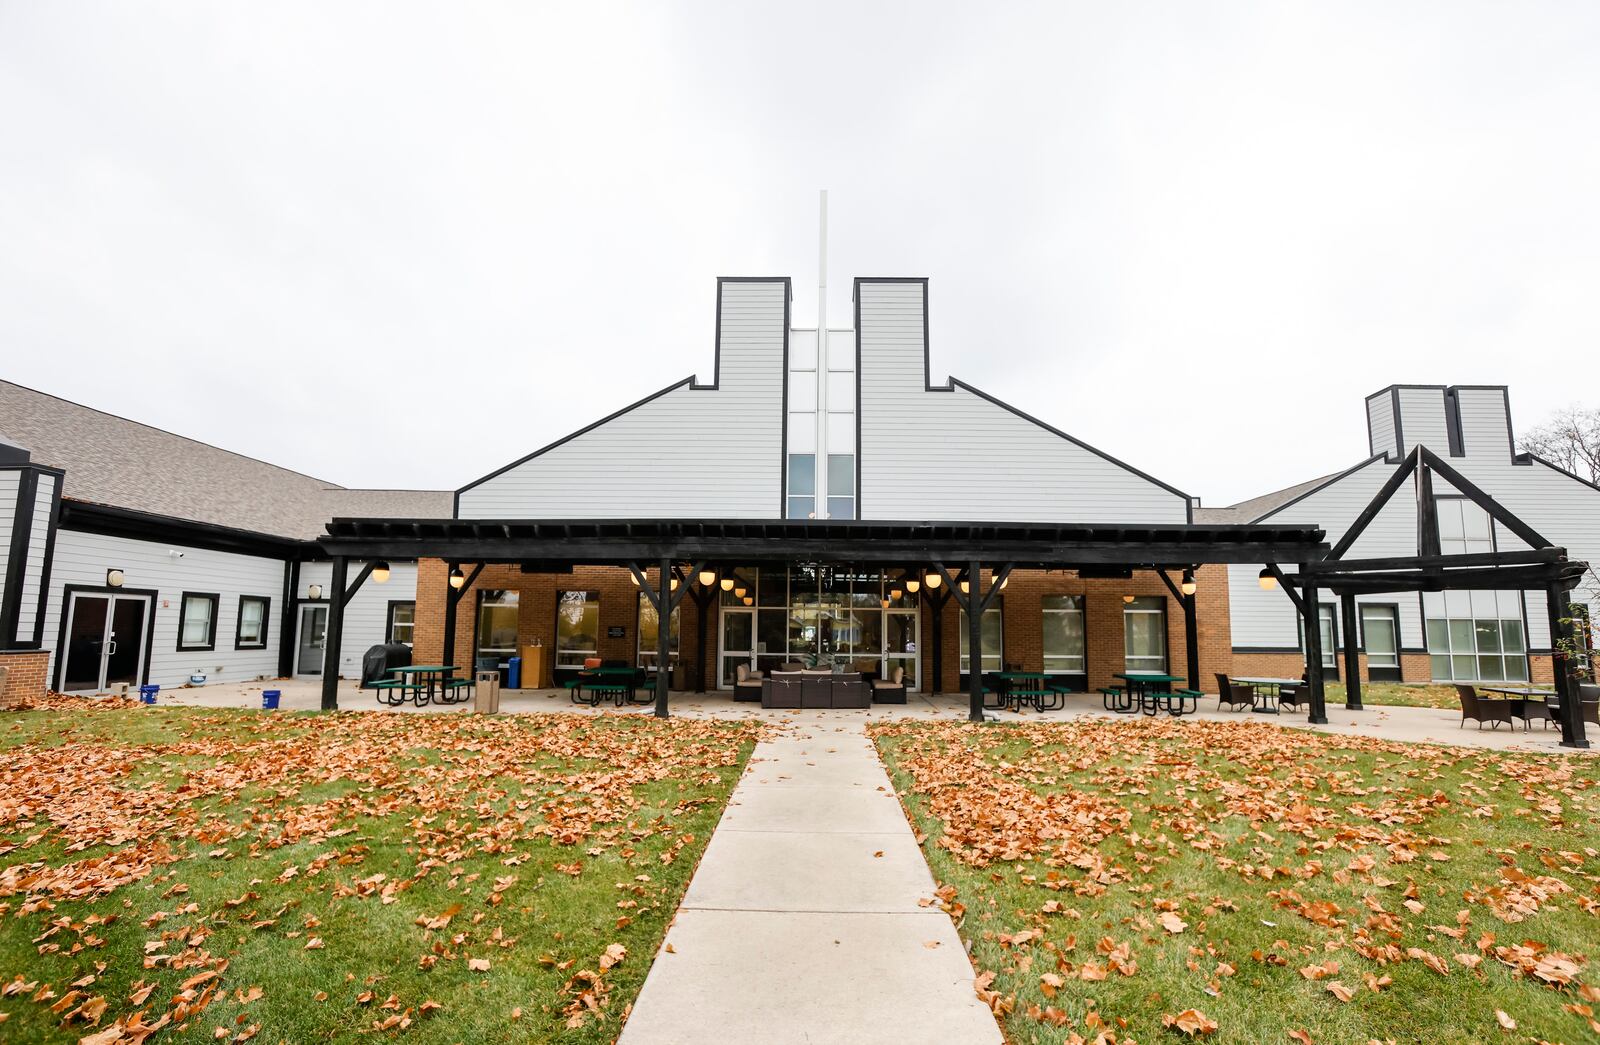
<point>737,644</point>
<point>900,646</point>
<point>1380,636</point>
<point>105,641</point>
<point>313,632</point>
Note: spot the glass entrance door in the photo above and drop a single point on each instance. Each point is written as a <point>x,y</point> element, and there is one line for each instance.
<point>313,631</point>
<point>105,641</point>
<point>900,646</point>
<point>737,644</point>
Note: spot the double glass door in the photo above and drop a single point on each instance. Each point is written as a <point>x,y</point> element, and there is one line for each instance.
<point>105,641</point>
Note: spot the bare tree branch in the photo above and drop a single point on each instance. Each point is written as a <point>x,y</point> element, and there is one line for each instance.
<point>1570,438</point>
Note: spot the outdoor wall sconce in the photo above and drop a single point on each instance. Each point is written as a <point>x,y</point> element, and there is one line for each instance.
<point>727,584</point>
<point>313,592</point>
<point>708,577</point>
<point>1188,586</point>
<point>380,572</point>
<point>912,584</point>
<point>932,580</point>
<point>1267,581</point>
<point>457,578</point>
<point>114,578</point>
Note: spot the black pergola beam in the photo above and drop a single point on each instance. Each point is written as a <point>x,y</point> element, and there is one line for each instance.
<point>1526,577</point>
<point>1531,556</point>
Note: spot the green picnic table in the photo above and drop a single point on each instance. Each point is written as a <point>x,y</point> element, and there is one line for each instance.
<point>1148,690</point>
<point>420,683</point>
<point>1029,687</point>
<point>616,681</point>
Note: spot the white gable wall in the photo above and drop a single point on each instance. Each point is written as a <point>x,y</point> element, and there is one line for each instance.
<point>952,454</point>
<point>686,453</point>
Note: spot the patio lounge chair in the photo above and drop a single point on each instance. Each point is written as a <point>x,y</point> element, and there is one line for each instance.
<point>1233,694</point>
<point>1535,708</point>
<point>1589,702</point>
<point>747,683</point>
<point>782,689</point>
<point>891,690</point>
<point>1493,712</point>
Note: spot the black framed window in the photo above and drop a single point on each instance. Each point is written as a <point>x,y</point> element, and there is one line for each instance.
<point>1144,634</point>
<point>197,621</point>
<point>402,621</point>
<point>250,632</point>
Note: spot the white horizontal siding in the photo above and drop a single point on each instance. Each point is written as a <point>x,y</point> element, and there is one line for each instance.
<point>83,558</point>
<point>1485,422</point>
<point>953,455</point>
<point>688,453</point>
<point>32,573</point>
<point>1380,423</point>
<point>1422,420</point>
<point>8,511</point>
<point>366,619</point>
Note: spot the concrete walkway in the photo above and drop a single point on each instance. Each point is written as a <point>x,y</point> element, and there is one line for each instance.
<point>802,923</point>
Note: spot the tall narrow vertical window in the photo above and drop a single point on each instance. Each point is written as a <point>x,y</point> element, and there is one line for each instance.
<point>1464,528</point>
<point>992,629</point>
<point>802,485</point>
<point>497,623</point>
<point>577,627</point>
<point>1380,637</point>
<point>251,631</point>
<point>1329,635</point>
<point>1063,633</point>
<point>841,486</point>
<point>649,631</point>
<point>402,621</point>
<point>1144,634</point>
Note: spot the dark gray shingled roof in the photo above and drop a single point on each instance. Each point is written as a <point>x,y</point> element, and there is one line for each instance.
<point>111,460</point>
<point>1253,509</point>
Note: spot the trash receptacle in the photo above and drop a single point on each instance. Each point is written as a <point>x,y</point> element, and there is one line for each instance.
<point>486,693</point>
<point>514,673</point>
<point>269,698</point>
<point>147,694</point>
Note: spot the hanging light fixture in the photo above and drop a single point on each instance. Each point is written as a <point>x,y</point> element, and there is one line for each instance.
<point>1188,586</point>
<point>966,589</point>
<point>314,591</point>
<point>1267,581</point>
<point>673,584</point>
<point>912,584</point>
<point>1005,581</point>
<point>727,584</point>
<point>457,579</point>
<point>749,600</point>
<point>114,578</point>
<point>634,577</point>
<point>894,594</point>
<point>708,577</point>
<point>932,579</point>
<point>380,572</point>
<point>1127,598</point>
<point>885,603</point>
<point>739,591</point>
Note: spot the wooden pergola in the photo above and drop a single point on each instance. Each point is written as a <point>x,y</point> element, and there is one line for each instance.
<point>680,548</point>
<point>1540,566</point>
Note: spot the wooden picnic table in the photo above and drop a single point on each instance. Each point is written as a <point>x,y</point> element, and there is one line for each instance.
<point>1258,699</point>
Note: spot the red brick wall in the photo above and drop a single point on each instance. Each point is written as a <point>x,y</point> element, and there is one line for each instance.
<point>25,675</point>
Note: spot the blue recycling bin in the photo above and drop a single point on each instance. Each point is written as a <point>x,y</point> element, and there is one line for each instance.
<point>269,699</point>
<point>147,694</point>
<point>514,673</point>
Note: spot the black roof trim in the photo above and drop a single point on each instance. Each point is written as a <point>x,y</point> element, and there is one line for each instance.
<point>980,393</point>
<point>1329,481</point>
<point>689,382</point>
<point>129,523</point>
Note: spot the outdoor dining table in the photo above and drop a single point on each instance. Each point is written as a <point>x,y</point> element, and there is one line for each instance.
<point>1146,688</point>
<point>1019,688</point>
<point>424,682</point>
<point>1517,696</point>
<point>615,681</point>
<point>1259,700</point>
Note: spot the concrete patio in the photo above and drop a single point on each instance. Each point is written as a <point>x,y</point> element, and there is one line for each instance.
<point>1387,722</point>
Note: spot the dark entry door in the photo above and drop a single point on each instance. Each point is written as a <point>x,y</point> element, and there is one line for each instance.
<point>105,641</point>
<point>313,631</point>
<point>86,638</point>
<point>124,655</point>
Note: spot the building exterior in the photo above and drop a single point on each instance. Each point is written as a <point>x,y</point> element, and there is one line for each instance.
<point>134,555</point>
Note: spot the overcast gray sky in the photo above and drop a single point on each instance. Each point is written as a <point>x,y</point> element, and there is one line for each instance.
<point>395,244</point>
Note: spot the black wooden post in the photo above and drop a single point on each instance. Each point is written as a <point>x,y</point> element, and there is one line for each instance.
<point>1572,728</point>
<point>333,637</point>
<point>1313,630</point>
<point>663,636</point>
<point>935,643</point>
<point>702,602</point>
<point>1352,651</point>
<point>1191,639</point>
<point>286,627</point>
<point>451,598</point>
<point>975,641</point>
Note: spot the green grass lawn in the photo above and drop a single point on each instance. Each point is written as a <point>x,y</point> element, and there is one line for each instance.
<point>311,877</point>
<point>1403,694</point>
<point>1112,876</point>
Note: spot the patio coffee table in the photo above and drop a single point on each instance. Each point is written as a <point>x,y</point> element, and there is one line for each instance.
<point>1518,696</point>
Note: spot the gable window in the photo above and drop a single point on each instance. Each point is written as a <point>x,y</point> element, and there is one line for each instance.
<point>402,621</point>
<point>1144,634</point>
<point>251,631</point>
<point>1063,633</point>
<point>197,621</point>
<point>1464,528</point>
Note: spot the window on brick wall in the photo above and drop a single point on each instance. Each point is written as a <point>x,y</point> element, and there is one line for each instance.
<point>1063,633</point>
<point>992,629</point>
<point>1144,634</point>
<point>497,624</point>
<point>577,627</point>
<point>649,632</point>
